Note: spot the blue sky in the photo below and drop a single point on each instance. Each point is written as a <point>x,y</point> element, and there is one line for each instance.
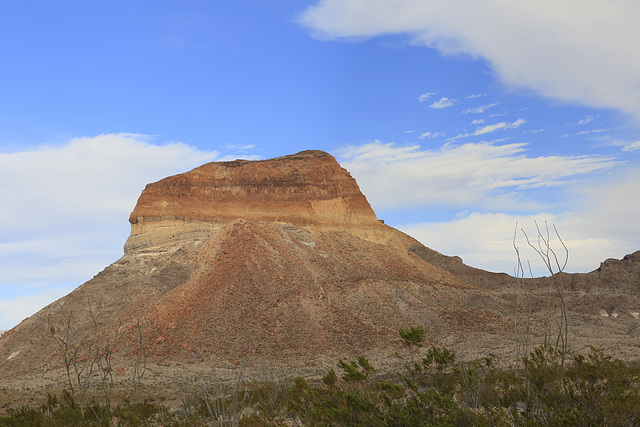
<point>458,119</point>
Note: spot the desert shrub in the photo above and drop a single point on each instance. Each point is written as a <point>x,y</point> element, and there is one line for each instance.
<point>435,390</point>
<point>339,405</point>
<point>140,414</point>
<point>434,387</point>
<point>412,336</point>
<point>590,390</point>
<point>330,378</point>
<point>23,416</point>
<point>268,399</point>
<point>356,370</point>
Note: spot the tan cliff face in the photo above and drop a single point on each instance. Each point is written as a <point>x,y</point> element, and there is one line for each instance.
<point>308,189</point>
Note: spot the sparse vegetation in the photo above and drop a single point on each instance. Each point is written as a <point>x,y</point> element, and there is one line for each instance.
<point>435,390</point>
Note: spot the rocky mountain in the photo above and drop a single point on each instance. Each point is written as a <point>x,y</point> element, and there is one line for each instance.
<point>284,261</point>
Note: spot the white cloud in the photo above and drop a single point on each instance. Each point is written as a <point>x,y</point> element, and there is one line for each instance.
<point>429,135</point>
<point>586,132</point>
<point>480,109</point>
<point>632,147</point>
<point>575,50</point>
<point>485,240</point>
<point>442,103</point>
<point>490,128</point>
<point>425,96</point>
<point>477,175</point>
<point>66,208</point>
<point>478,122</point>
<point>596,222</point>
<point>238,148</point>
<point>587,120</point>
<point>592,208</point>
<point>502,125</point>
<point>472,96</point>
<point>608,207</point>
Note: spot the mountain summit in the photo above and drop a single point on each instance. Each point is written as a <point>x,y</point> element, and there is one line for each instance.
<point>308,189</point>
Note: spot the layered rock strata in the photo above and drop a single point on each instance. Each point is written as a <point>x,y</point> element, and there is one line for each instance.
<point>308,189</point>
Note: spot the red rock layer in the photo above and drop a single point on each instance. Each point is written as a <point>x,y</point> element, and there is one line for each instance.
<point>308,189</point>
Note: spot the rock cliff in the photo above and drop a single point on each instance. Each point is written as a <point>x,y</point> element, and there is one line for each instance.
<point>308,189</point>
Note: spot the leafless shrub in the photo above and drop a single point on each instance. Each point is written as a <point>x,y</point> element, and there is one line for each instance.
<point>79,355</point>
<point>87,358</point>
<point>222,400</point>
<point>555,261</point>
<point>140,361</point>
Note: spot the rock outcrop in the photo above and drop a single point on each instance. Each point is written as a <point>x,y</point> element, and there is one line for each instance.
<point>308,189</point>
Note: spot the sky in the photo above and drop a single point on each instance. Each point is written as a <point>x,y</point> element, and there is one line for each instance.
<point>462,122</point>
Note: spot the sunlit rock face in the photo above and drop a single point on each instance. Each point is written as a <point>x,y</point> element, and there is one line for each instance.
<point>307,189</point>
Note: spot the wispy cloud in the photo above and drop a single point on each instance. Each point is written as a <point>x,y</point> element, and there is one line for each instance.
<point>631,147</point>
<point>474,95</point>
<point>469,175</point>
<point>425,96</point>
<point>479,110</point>
<point>587,120</point>
<point>586,132</point>
<point>478,121</point>
<point>238,148</point>
<point>501,125</point>
<point>430,135</point>
<point>564,51</point>
<point>442,103</point>
<point>485,240</point>
<point>491,187</point>
<point>490,128</point>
